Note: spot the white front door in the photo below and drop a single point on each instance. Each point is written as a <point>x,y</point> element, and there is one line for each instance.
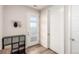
<point>32,36</point>
<point>75,29</point>
<point>56,16</point>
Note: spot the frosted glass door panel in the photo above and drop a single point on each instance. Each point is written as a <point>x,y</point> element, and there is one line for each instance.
<point>33,28</point>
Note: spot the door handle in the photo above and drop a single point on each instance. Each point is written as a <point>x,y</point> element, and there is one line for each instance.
<point>73,39</point>
<point>28,33</point>
<point>48,34</point>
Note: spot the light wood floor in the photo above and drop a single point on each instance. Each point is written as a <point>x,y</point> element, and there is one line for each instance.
<point>36,49</point>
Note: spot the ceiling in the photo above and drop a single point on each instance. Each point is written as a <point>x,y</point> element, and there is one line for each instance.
<point>37,7</point>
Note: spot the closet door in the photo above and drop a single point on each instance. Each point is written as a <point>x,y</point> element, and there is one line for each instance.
<point>75,29</point>
<point>56,16</point>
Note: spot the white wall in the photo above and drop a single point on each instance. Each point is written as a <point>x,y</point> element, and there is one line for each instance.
<point>1,20</point>
<point>57,28</point>
<point>14,13</point>
<point>17,13</point>
<point>43,27</point>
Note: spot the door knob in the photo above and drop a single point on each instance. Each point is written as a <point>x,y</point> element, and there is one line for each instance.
<point>48,34</point>
<point>28,33</point>
<point>73,39</point>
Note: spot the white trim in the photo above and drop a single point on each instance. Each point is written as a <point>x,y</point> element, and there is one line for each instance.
<point>67,17</point>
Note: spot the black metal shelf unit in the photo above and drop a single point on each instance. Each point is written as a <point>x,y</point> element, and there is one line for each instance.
<point>17,43</point>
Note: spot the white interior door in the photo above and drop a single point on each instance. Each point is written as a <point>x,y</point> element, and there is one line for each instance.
<point>75,29</point>
<point>33,30</point>
<point>56,15</point>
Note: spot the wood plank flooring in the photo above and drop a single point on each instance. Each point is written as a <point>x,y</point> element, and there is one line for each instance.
<point>36,49</point>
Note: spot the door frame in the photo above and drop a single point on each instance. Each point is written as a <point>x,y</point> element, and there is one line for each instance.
<point>71,30</point>
<point>48,27</point>
<point>68,29</point>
